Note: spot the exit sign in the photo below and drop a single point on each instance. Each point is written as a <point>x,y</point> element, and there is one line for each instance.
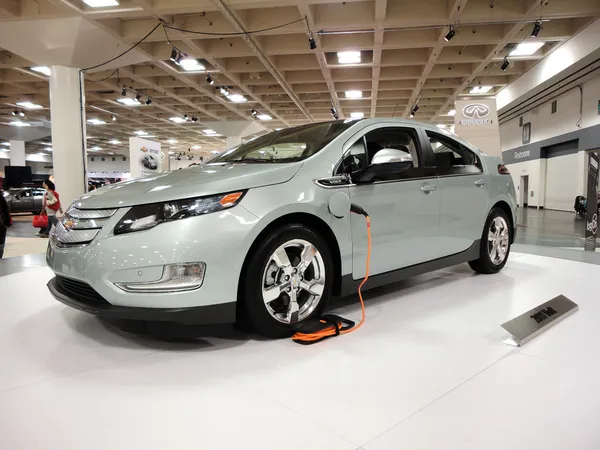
<point>598,107</point>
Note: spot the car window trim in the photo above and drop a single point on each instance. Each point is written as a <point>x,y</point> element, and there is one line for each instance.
<point>372,127</point>
<point>459,144</point>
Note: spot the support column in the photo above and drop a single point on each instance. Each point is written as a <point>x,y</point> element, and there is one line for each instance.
<point>67,109</point>
<point>17,153</point>
<point>233,141</point>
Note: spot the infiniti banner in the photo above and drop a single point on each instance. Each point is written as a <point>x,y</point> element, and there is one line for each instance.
<point>592,203</point>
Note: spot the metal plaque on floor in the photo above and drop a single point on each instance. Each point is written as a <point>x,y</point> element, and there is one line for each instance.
<point>534,322</point>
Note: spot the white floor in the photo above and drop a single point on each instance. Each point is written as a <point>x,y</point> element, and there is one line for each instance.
<point>427,371</point>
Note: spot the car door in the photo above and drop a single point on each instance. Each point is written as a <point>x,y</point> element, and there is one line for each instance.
<point>463,189</point>
<point>403,207</point>
<point>38,199</point>
<point>22,201</point>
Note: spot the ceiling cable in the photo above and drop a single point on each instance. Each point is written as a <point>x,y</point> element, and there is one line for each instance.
<point>241,33</point>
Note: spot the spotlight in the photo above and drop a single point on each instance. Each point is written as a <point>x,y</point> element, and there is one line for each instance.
<point>124,91</point>
<point>504,64</point>
<point>537,27</point>
<point>209,80</point>
<point>15,113</point>
<point>21,113</point>
<point>137,97</point>
<point>312,42</point>
<point>224,91</point>
<point>194,119</point>
<point>450,34</point>
<point>253,112</point>
<point>174,55</point>
<point>185,116</point>
<point>413,111</point>
<point>114,119</point>
<point>149,101</point>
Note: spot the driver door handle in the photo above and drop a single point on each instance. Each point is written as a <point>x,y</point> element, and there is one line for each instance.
<point>428,188</point>
<point>480,183</point>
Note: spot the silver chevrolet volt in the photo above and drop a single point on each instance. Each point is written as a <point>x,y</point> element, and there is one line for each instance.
<point>266,228</point>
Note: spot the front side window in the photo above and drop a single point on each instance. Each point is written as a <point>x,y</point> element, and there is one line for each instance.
<point>286,146</point>
<point>451,157</point>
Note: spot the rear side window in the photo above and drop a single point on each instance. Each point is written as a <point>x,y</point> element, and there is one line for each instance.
<point>453,158</point>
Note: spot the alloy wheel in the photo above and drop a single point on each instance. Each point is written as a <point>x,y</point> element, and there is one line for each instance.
<point>293,281</point>
<point>498,240</point>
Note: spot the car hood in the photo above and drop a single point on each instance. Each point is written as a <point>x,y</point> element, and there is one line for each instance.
<point>195,181</point>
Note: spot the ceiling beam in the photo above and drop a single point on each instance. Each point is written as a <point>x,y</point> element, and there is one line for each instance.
<point>454,17</point>
<point>236,22</point>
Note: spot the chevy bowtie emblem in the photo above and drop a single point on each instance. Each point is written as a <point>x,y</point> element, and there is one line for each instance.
<point>68,224</point>
<point>476,111</point>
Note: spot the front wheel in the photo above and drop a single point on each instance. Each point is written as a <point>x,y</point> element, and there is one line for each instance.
<point>289,279</point>
<point>495,243</point>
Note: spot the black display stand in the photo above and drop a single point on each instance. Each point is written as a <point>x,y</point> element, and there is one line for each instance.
<point>591,228</point>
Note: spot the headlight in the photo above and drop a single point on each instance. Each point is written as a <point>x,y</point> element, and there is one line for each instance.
<point>144,217</point>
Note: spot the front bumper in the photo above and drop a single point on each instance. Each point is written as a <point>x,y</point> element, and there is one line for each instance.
<point>221,240</point>
<point>89,301</point>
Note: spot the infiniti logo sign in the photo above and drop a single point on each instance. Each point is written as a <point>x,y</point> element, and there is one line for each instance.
<point>476,111</point>
<point>475,114</point>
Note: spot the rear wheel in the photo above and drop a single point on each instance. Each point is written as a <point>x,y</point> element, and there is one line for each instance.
<point>495,243</point>
<point>288,280</point>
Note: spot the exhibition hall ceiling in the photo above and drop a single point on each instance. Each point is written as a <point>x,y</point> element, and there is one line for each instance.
<point>372,58</point>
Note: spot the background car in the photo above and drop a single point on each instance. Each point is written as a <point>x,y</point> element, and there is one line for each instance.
<point>263,233</point>
<point>149,162</point>
<point>24,200</point>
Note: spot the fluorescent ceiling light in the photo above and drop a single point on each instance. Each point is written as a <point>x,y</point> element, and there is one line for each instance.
<point>174,146</point>
<point>526,48</point>
<point>115,142</point>
<point>96,148</point>
<point>353,94</point>
<point>264,117</point>
<point>481,89</point>
<point>237,98</point>
<point>177,119</point>
<point>48,149</point>
<point>357,115</point>
<point>41,154</point>
<point>172,141</point>
<point>195,147</point>
<point>441,125</point>
<point>452,112</point>
<point>6,143</point>
<point>42,69</point>
<point>349,57</point>
<point>29,105</point>
<point>216,152</point>
<point>128,101</point>
<point>101,3</point>
<point>141,133</point>
<point>18,123</point>
<point>191,64</point>
<point>96,121</point>
<point>209,132</point>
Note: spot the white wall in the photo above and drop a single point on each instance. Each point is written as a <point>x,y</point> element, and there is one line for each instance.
<point>567,173</point>
<point>545,125</point>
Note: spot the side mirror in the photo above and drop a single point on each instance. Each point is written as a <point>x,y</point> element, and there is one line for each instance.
<point>387,161</point>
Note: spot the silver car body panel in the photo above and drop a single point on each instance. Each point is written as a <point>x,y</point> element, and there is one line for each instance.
<point>409,225</point>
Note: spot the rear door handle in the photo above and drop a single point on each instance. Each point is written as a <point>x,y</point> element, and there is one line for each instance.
<point>428,188</point>
<point>480,183</point>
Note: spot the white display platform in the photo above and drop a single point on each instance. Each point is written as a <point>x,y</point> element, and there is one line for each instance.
<point>427,371</point>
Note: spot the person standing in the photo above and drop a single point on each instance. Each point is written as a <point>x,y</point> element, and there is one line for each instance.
<point>5,222</point>
<point>51,207</point>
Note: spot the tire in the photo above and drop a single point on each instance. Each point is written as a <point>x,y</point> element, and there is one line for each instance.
<point>485,264</point>
<point>265,316</point>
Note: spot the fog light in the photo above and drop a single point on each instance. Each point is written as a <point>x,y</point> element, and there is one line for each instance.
<point>175,278</point>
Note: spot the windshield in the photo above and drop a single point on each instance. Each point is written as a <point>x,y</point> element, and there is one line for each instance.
<point>288,145</point>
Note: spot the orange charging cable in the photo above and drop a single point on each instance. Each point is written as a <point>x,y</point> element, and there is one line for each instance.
<point>337,327</point>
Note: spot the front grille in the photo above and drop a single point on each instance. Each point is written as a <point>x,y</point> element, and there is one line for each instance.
<point>80,226</point>
<point>81,291</point>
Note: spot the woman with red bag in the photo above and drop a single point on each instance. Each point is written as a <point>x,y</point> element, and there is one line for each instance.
<point>51,207</point>
<point>5,222</point>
